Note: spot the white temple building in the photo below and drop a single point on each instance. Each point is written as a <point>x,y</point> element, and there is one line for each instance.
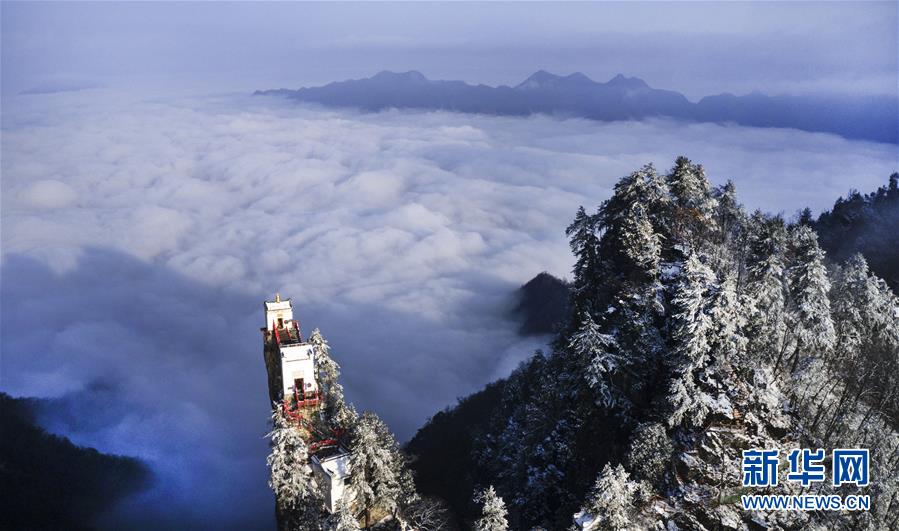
<point>290,360</point>
<point>291,365</point>
<point>332,471</point>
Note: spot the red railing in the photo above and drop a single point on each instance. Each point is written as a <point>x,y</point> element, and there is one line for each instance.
<point>302,399</point>
<point>318,445</point>
<point>321,440</point>
<point>296,326</point>
<point>291,405</point>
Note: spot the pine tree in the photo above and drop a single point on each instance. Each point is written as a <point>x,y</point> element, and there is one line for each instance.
<point>599,354</point>
<point>340,414</point>
<point>650,452</point>
<point>612,498</point>
<point>342,519</point>
<point>626,306</point>
<point>764,294</point>
<point>728,321</point>
<point>695,208</point>
<point>866,321</point>
<point>731,220</point>
<point>631,223</point>
<point>639,241</point>
<point>808,316</point>
<point>691,325</point>
<point>291,479</point>
<point>376,465</point>
<point>584,242</point>
<point>689,186</point>
<point>493,511</point>
<point>729,213</point>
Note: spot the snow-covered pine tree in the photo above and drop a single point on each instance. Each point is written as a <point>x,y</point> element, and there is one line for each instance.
<point>631,241</point>
<point>599,353</point>
<point>866,320</point>
<point>729,214</point>
<point>730,219</point>
<point>764,293</point>
<point>407,496</point>
<point>584,242</point>
<point>694,206</point>
<point>639,241</point>
<point>726,337</point>
<point>807,315</point>
<point>493,511</point>
<point>328,369</point>
<point>611,501</point>
<point>376,465</point>
<point>864,307</point>
<point>649,453</point>
<point>692,323</point>
<point>342,519</point>
<point>297,496</point>
<point>339,414</point>
<point>628,297</point>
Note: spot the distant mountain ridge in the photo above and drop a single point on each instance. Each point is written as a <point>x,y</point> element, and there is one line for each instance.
<point>620,98</point>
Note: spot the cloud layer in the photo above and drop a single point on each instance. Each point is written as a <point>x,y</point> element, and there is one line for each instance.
<point>139,238</point>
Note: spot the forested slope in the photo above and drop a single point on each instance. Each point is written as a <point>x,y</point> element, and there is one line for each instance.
<point>866,224</point>
<point>697,330</point>
<point>47,482</point>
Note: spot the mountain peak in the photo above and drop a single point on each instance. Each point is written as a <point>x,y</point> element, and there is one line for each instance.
<point>539,79</point>
<point>542,79</point>
<point>410,76</point>
<point>630,83</point>
<point>579,77</point>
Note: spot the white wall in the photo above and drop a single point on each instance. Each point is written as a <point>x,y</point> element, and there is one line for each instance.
<point>332,487</point>
<point>298,361</point>
<point>277,310</point>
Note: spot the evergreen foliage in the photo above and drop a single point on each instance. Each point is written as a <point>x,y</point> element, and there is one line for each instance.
<point>338,413</point>
<point>865,224</point>
<point>343,519</point>
<point>612,498</point>
<point>493,511</point>
<point>378,468</point>
<point>696,331</point>
<point>299,502</point>
<point>291,478</point>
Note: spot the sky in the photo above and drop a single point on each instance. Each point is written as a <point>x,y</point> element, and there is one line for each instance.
<point>698,48</point>
<point>149,204</point>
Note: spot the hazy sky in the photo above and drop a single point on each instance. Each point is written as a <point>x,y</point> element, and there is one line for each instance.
<point>698,48</point>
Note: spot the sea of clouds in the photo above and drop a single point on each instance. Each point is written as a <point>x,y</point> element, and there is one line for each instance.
<point>140,237</point>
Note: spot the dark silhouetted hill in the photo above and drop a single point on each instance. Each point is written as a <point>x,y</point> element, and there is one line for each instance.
<point>443,450</point>
<point>46,482</point>
<point>542,304</point>
<point>621,98</point>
